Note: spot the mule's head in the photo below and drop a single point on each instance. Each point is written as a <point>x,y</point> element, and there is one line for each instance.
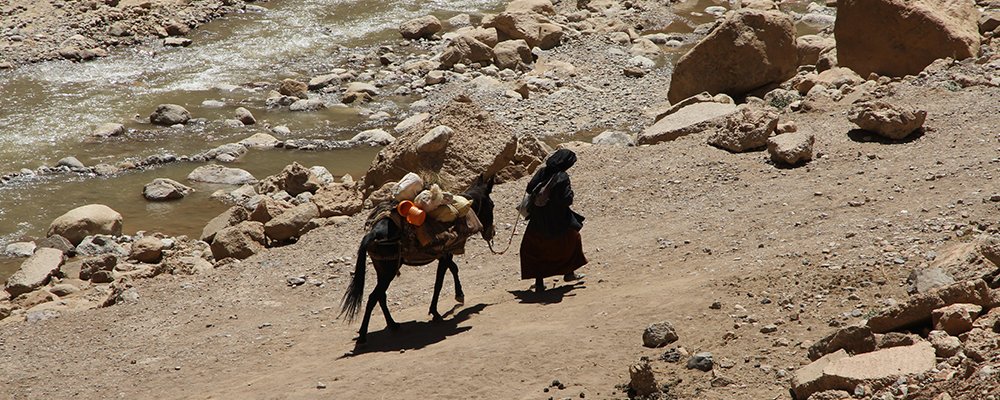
<point>482,204</point>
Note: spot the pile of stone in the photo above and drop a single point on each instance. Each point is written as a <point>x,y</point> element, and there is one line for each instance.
<point>279,209</point>
<point>86,262</point>
<point>949,331</point>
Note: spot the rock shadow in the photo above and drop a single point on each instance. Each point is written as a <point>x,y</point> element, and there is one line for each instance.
<point>549,296</point>
<point>413,335</point>
<point>863,136</point>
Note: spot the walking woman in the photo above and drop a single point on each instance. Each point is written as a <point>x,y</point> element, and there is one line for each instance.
<point>551,245</point>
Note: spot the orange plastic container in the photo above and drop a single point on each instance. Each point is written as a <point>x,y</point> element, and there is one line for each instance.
<point>414,215</point>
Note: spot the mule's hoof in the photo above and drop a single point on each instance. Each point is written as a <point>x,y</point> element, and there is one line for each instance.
<point>437,317</point>
<point>460,299</point>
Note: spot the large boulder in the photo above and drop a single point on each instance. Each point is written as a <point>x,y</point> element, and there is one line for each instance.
<point>488,36</point>
<point>294,88</point>
<point>91,219</point>
<point>465,49</point>
<point>887,120</point>
<point>148,250</point>
<point>791,148</point>
<point>34,271</point>
<point>268,208</point>
<point>838,371</point>
<point>512,54</point>
<point>852,339</point>
<point>746,129</point>
<point>338,199</point>
<point>240,241</point>
<point>694,117</point>
<point>420,28</point>
<point>956,319</point>
<point>919,308</point>
<point>230,217</point>
<point>214,173</point>
<point>809,48</point>
<point>169,114</point>
<point>901,37</point>
<point>294,179</point>
<point>475,147</point>
<point>289,223</point>
<point>749,50</point>
<point>534,28</point>
<point>100,244</point>
<point>162,189</point>
<point>373,137</point>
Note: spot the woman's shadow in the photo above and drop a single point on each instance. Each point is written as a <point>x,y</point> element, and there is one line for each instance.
<point>549,296</point>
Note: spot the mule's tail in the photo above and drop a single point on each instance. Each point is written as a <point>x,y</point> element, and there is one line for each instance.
<point>356,290</point>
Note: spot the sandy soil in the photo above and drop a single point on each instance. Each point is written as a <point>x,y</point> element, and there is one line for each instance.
<point>671,229</point>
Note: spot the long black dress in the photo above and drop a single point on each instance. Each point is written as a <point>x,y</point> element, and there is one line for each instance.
<point>551,245</point>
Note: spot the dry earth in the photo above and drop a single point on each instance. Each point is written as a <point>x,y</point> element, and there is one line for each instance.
<point>671,229</point>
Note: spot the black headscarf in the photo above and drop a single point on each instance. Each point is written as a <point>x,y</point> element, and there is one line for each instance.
<point>560,161</point>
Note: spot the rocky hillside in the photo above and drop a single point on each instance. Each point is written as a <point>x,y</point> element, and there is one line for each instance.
<point>778,216</point>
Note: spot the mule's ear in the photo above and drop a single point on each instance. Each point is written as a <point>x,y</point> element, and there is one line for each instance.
<point>489,183</point>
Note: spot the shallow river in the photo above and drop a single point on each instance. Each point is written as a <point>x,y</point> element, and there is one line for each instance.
<point>48,109</point>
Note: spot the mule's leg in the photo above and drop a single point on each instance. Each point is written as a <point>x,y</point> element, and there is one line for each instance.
<point>383,301</point>
<point>453,267</point>
<point>377,296</point>
<point>438,282</point>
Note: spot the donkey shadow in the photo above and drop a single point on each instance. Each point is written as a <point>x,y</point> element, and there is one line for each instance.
<point>414,335</point>
<point>549,296</point>
<point>863,136</point>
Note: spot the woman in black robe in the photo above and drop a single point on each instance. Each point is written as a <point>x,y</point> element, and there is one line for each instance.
<point>551,245</point>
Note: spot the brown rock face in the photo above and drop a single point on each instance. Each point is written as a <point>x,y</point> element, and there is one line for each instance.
<point>294,88</point>
<point>423,27</point>
<point>512,54</point>
<point>746,129</point>
<point>887,120</point>
<point>919,308</point>
<point>289,223</point>
<point>337,200</point>
<point>956,319</point>
<point>148,250</point>
<point>294,179</point>
<point>240,241</point>
<point>80,222</point>
<point>791,148</point>
<point>853,339</point>
<point>749,50</point>
<point>900,37</point>
<point>880,367</point>
<point>230,217</point>
<point>477,146</point>
<point>34,271</point>
<point>534,28</point>
<point>466,50</point>
<point>809,48</point>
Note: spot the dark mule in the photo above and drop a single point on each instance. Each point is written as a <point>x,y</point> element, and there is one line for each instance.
<point>383,244</point>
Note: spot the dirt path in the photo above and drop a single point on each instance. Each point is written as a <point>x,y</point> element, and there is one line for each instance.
<point>671,229</point>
